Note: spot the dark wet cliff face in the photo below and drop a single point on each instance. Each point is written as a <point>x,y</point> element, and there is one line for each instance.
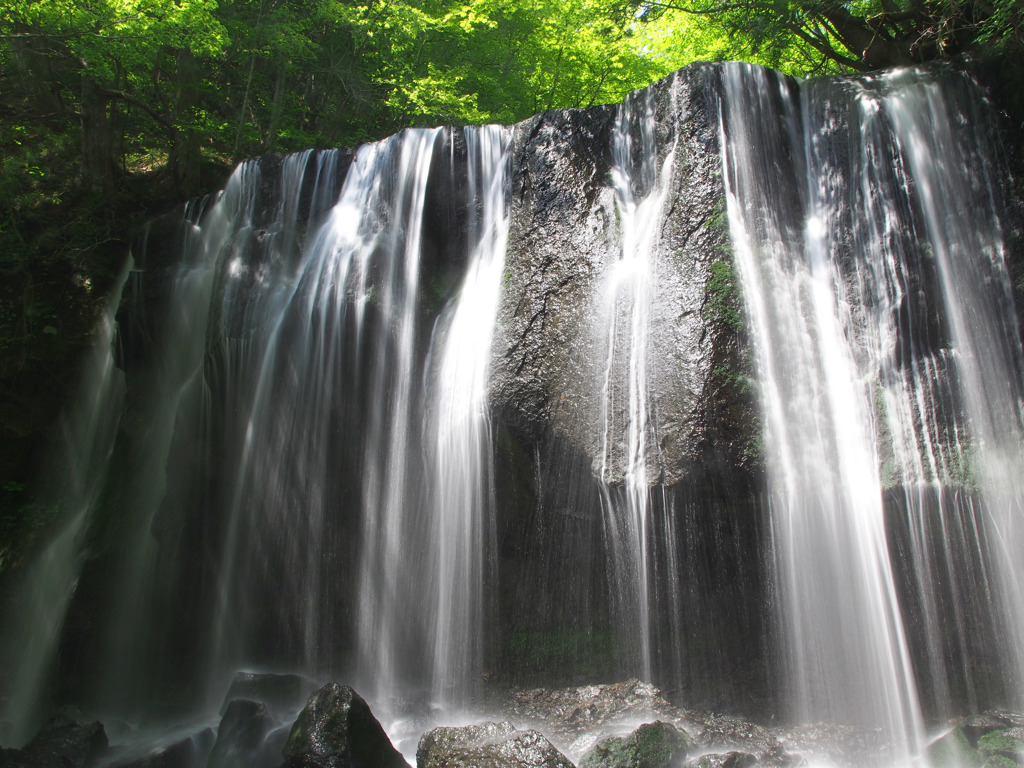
<point>551,361</point>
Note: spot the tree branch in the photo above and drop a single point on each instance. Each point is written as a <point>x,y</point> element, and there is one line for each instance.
<point>135,101</point>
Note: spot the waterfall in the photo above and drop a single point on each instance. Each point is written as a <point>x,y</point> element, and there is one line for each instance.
<point>721,387</point>
<point>629,439</point>
<point>952,164</point>
<point>44,593</point>
<point>859,263</point>
<point>458,424</point>
<point>287,376</point>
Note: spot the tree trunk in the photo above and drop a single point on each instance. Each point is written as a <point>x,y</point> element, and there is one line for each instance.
<point>276,107</point>
<point>185,156</point>
<point>97,170</point>
<point>877,50</point>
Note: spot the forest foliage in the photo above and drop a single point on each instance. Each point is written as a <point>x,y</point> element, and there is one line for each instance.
<point>111,109</point>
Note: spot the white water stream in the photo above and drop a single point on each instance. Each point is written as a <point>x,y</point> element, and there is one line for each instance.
<point>846,208</point>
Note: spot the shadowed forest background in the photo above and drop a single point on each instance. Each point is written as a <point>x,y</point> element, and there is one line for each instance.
<point>114,110</point>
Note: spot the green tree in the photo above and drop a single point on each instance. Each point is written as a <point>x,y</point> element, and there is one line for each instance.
<point>810,36</point>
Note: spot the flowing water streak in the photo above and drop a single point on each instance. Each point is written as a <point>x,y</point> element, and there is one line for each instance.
<point>211,235</point>
<point>915,397</point>
<point>640,188</point>
<point>385,603</point>
<point>179,351</point>
<point>352,304</point>
<point>940,134</point>
<point>458,431</point>
<point>923,439</point>
<point>278,341</point>
<point>79,472</point>
<point>848,653</point>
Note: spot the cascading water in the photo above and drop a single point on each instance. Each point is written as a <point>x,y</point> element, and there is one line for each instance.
<point>850,661</point>
<point>458,422</point>
<point>43,596</point>
<point>325,315</point>
<point>861,383</point>
<point>950,165</point>
<point>468,409</point>
<point>629,443</point>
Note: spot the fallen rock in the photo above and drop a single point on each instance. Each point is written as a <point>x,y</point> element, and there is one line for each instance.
<point>283,695</point>
<point>988,740</point>
<point>728,735</point>
<point>725,760</point>
<point>189,752</point>
<point>1007,743</point>
<point>242,735</point>
<point>61,742</point>
<point>998,761</point>
<point>487,745</point>
<point>653,745</point>
<point>336,729</point>
<point>574,710</point>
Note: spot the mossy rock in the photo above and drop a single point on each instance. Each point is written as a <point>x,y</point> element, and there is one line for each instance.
<point>998,761</point>
<point>1008,743</point>
<point>654,745</point>
<point>954,750</point>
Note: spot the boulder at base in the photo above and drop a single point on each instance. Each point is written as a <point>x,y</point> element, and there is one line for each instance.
<point>653,745</point>
<point>242,735</point>
<point>336,729</point>
<point>186,753</point>
<point>487,745</point>
<point>726,760</point>
<point>283,695</point>
<point>61,742</point>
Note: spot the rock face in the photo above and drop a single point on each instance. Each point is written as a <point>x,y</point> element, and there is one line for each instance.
<point>281,694</point>
<point>61,743</point>
<point>566,239</point>
<point>241,737</point>
<point>989,740</point>
<point>726,760</point>
<point>337,730</point>
<point>578,719</point>
<point>652,745</point>
<point>487,745</point>
<point>189,752</point>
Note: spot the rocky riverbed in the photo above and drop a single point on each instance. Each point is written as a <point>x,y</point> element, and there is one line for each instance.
<point>272,721</point>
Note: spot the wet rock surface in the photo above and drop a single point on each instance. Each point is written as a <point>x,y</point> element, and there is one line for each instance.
<point>63,743</point>
<point>189,752</point>
<point>726,760</point>
<point>628,724</point>
<point>575,719</point>
<point>652,745</point>
<point>487,745</point>
<point>746,738</point>
<point>565,241</point>
<point>336,729</point>
<point>242,737</point>
<point>281,694</point>
<point>989,740</point>
<point>578,719</point>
